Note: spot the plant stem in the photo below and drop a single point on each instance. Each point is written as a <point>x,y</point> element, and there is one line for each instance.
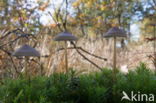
<point>114,60</point>
<point>66,57</point>
<point>154,45</point>
<point>114,55</point>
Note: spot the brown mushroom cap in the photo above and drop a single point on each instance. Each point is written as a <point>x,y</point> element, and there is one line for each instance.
<point>26,50</point>
<point>153,24</point>
<point>65,36</point>
<point>115,32</point>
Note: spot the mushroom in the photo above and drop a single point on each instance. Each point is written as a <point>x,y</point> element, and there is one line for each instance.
<point>26,51</point>
<point>65,36</point>
<point>115,32</point>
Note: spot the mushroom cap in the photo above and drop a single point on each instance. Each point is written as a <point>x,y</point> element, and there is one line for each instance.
<point>26,50</point>
<point>115,32</point>
<point>153,24</point>
<point>65,36</point>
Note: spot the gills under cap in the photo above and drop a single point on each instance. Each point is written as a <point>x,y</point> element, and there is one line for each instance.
<point>26,50</point>
<point>65,36</point>
<point>115,32</point>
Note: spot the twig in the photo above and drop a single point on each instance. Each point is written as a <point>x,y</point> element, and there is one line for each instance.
<point>105,59</point>
<point>9,54</point>
<point>13,31</point>
<point>14,64</point>
<point>9,42</point>
<point>65,21</point>
<point>85,57</point>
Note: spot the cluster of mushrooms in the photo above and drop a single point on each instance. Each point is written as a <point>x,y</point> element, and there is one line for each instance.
<point>27,51</point>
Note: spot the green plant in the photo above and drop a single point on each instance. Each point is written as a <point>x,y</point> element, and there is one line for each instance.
<point>70,88</point>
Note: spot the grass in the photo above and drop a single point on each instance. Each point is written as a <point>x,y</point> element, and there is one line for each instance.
<point>69,88</point>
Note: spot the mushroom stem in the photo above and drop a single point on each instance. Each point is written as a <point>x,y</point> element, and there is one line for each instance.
<point>154,45</point>
<point>66,59</point>
<point>26,69</point>
<point>154,37</point>
<point>114,56</point>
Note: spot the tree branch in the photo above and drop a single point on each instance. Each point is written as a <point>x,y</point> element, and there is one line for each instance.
<point>85,52</point>
<point>86,57</point>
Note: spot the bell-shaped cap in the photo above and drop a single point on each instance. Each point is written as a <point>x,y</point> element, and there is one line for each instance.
<point>115,32</point>
<point>65,36</point>
<point>26,50</point>
<point>153,24</point>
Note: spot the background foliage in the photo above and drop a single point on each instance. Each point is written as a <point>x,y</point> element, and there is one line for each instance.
<point>36,22</point>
